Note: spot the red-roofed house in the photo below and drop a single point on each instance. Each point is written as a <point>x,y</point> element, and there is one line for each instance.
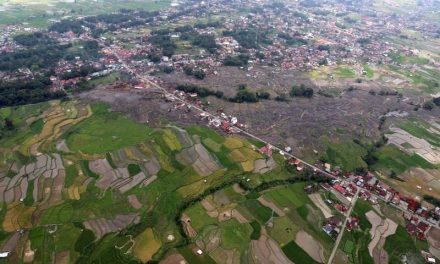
<point>340,189</point>
<point>266,150</point>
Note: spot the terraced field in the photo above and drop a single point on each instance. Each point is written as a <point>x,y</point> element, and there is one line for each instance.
<point>123,191</point>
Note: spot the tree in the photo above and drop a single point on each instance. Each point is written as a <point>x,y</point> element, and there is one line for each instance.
<point>263,95</point>
<point>429,105</point>
<point>199,74</point>
<point>301,91</point>
<point>9,124</point>
<point>436,101</point>
<point>168,69</point>
<point>188,70</point>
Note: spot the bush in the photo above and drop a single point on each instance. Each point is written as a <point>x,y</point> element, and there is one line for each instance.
<point>244,95</point>
<point>429,105</point>
<point>301,91</point>
<point>281,98</point>
<point>199,74</point>
<point>201,91</point>
<point>188,70</point>
<point>168,69</point>
<point>263,95</point>
<point>240,60</point>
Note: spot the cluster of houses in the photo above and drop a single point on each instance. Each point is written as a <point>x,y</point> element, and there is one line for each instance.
<point>419,217</point>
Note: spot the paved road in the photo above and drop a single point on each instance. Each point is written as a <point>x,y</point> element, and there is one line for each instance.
<point>341,234</point>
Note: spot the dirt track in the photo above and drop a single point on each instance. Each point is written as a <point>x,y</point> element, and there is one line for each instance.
<point>271,205</point>
<point>317,200</point>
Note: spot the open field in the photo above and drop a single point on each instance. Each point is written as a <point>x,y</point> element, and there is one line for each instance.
<point>38,13</point>
<point>105,132</point>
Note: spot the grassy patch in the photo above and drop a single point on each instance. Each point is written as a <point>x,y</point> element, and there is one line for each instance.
<point>191,257</point>
<point>71,174</point>
<point>420,129</point>
<point>29,200</point>
<point>235,235</point>
<point>109,158</point>
<point>85,239</point>
<point>37,126</point>
<point>256,230</point>
<point>146,245</point>
<point>105,131</point>
<point>199,217</point>
<point>261,213</point>
<point>348,155</point>
<point>86,169</point>
<point>360,209</point>
<point>355,245</point>
<point>205,132</point>
<point>289,196</point>
<point>284,230</point>
<point>369,73</point>
<point>296,254</point>
<point>344,72</point>
<point>390,158</point>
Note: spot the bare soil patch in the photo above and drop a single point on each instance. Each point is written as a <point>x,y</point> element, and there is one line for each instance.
<point>317,200</point>
<point>272,206</point>
<point>173,259</point>
<point>380,230</point>
<point>266,250</point>
<point>310,245</point>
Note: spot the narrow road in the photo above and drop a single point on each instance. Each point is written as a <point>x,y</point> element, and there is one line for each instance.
<point>341,234</point>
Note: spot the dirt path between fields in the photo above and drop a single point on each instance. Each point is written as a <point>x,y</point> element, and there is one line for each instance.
<point>271,205</point>
<point>317,200</point>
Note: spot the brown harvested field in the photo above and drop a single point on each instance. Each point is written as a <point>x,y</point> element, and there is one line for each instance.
<point>103,226</point>
<point>380,230</point>
<point>149,180</point>
<point>262,166</point>
<point>17,217</point>
<point>11,243</point>
<point>266,250</point>
<point>189,230</point>
<point>310,245</point>
<point>62,257</point>
<point>174,258</point>
<point>56,195</point>
<point>133,200</point>
<point>207,205</point>
<point>317,200</point>
<point>28,255</point>
<point>239,217</point>
<point>224,215</point>
<point>434,237</point>
<point>210,208</point>
<point>272,206</point>
<point>134,181</point>
<point>223,256</point>
<point>238,189</point>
